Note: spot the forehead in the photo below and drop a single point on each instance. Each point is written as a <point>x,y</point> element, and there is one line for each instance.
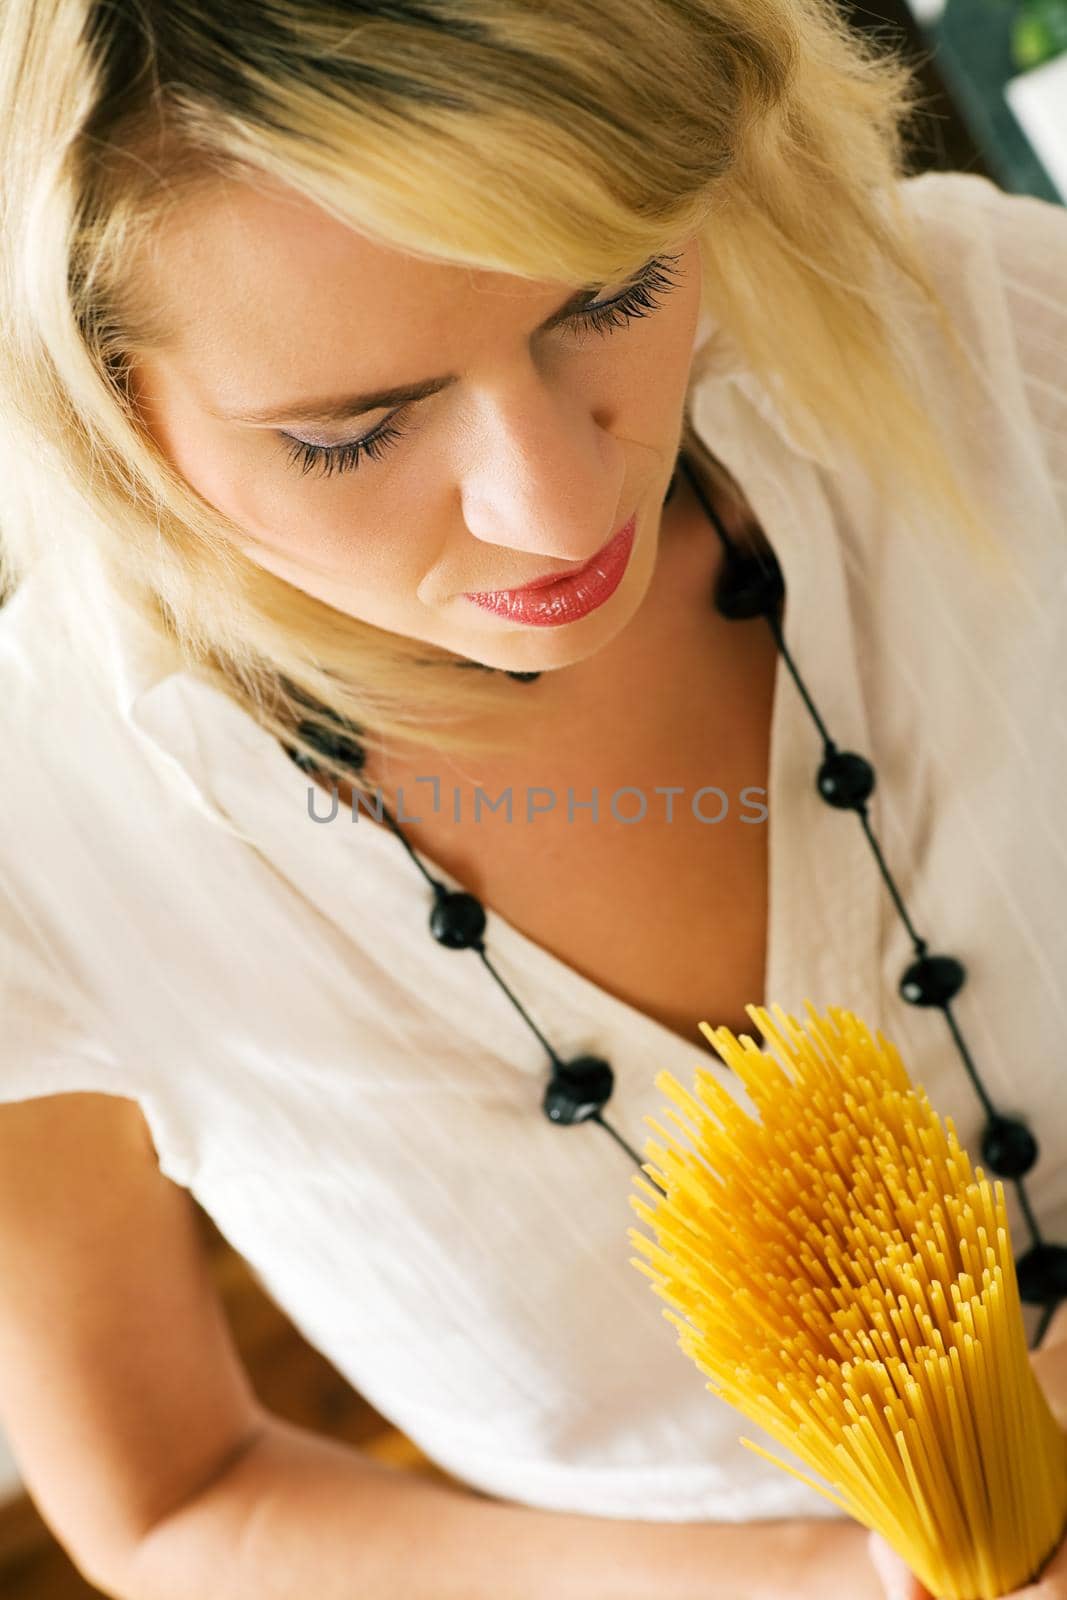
<point>263,276</point>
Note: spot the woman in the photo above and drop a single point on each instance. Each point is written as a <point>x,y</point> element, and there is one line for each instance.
<point>638,269</point>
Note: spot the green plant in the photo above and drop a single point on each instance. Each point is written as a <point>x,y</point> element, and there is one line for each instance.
<point>1039,32</point>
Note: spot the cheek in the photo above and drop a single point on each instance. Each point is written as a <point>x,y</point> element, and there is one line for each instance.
<point>218,469</point>
<point>323,531</point>
<point>665,362</point>
<point>313,531</point>
<point>301,523</point>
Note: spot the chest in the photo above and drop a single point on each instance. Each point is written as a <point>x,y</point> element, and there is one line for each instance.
<point>668,916</point>
<point>636,852</point>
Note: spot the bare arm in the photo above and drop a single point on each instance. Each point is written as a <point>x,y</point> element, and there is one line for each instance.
<point>299,1515</point>
<point>147,1452</point>
<point>119,1382</point>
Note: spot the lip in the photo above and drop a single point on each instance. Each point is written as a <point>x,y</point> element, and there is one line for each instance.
<point>550,602</point>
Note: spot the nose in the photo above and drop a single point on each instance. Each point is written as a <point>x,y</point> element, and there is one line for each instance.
<point>546,483</point>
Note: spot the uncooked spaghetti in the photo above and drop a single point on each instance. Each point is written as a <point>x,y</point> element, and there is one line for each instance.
<point>847,1282</point>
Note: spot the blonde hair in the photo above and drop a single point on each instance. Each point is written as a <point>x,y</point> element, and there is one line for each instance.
<point>556,141</point>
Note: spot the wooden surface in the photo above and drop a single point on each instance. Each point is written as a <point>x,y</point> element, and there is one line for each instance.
<point>290,1378</point>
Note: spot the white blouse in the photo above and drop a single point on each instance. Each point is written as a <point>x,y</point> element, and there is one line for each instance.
<point>359,1108</point>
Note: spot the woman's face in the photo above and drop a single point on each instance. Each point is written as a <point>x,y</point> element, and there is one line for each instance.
<point>539,444</point>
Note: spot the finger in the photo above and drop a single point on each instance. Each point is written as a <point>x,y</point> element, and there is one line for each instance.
<point>898,1580</point>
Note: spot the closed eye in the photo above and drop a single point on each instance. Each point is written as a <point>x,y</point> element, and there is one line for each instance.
<point>641,299</point>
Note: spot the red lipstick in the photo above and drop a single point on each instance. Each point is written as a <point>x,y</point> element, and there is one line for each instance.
<point>551,601</point>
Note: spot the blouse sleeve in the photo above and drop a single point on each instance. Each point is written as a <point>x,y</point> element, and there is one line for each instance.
<point>50,1045</point>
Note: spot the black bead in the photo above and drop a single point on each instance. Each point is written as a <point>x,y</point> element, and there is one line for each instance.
<point>932,980</point>
<point>578,1089</point>
<point>749,585</point>
<point>524,677</point>
<point>339,746</point>
<point>845,780</point>
<point>1008,1147</point>
<point>457,920</point>
<point>1042,1274</point>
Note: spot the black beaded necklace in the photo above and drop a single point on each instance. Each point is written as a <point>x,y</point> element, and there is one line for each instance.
<point>750,584</point>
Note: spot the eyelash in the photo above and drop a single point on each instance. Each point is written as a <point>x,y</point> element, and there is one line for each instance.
<point>639,300</point>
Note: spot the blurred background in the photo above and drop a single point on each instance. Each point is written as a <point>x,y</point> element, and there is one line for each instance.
<point>994,74</point>
<point>997,75</point>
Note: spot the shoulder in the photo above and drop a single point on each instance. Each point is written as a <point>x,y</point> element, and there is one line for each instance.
<point>25,635</point>
<point>1026,238</point>
<point>972,191</point>
<point>79,789</point>
<point>71,812</point>
<point>55,658</point>
<point>999,262</point>
<point>73,660</point>
<point>1000,259</point>
<point>46,693</point>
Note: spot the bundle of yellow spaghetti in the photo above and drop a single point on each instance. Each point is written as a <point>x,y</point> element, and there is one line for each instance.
<point>848,1283</point>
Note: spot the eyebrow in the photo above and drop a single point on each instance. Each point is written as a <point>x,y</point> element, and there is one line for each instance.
<point>342,408</point>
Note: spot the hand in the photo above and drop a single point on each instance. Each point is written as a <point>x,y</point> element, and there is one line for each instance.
<point>1049,1362</point>
<point>901,1584</point>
